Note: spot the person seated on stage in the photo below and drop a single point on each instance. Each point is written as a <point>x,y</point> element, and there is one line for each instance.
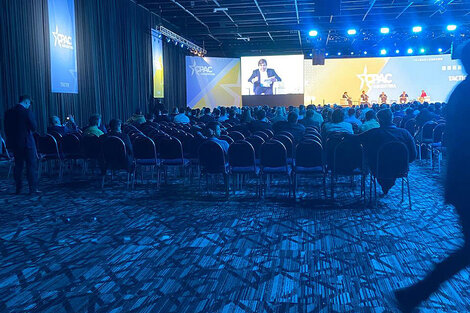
<point>371,122</point>
<point>423,96</point>
<point>337,124</point>
<point>181,117</point>
<point>137,118</point>
<point>212,132</point>
<point>348,98</point>
<point>376,137</point>
<point>261,122</point>
<point>352,117</point>
<point>292,126</point>
<point>403,97</point>
<point>56,126</point>
<point>263,79</point>
<point>383,98</point>
<point>312,118</point>
<point>364,98</point>
<point>93,126</point>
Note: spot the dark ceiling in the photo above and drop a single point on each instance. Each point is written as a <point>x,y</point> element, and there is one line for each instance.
<point>250,27</point>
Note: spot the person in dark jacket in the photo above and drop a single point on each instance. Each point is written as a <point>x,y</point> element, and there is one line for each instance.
<point>260,123</point>
<point>457,187</point>
<point>291,126</point>
<point>374,138</point>
<point>20,125</point>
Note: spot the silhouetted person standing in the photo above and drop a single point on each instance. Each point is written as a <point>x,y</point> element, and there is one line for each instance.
<point>457,187</point>
<point>19,127</point>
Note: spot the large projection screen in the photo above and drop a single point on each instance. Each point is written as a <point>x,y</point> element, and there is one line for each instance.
<point>437,75</point>
<point>272,75</point>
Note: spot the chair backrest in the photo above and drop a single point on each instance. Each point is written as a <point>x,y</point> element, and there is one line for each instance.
<point>348,157</point>
<point>287,142</point>
<point>144,148</point>
<point>288,134</point>
<point>114,153</point>
<point>90,147</point>
<point>410,126</point>
<point>170,148</point>
<point>312,129</point>
<point>392,160</point>
<point>227,139</point>
<point>71,145</point>
<point>437,132</point>
<point>242,154</point>
<point>269,132</point>
<point>256,142</point>
<point>309,153</point>
<point>212,157</point>
<point>273,154</point>
<point>236,135</point>
<point>313,136</point>
<point>397,120</point>
<point>3,149</point>
<point>56,135</point>
<point>47,145</point>
<point>262,134</point>
<point>427,131</point>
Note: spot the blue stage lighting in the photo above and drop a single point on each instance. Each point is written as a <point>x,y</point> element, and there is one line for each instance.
<point>352,32</point>
<point>383,52</point>
<point>397,51</point>
<point>385,30</point>
<point>409,51</point>
<point>352,53</point>
<point>326,54</point>
<point>365,52</point>
<point>339,53</point>
<point>417,29</point>
<point>440,50</point>
<point>422,50</point>
<point>313,33</point>
<point>311,54</point>
<point>451,27</point>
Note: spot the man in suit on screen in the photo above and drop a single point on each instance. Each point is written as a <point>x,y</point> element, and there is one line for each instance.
<point>263,79</point>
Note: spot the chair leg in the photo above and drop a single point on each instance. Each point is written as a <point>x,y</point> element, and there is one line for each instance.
<point>375,191</point>
<point>324,186</point>
<point>102,181</point>
<point>332,187</point>
<point>226,181</point>
<point>402,189</point>
<point>409,193</point>
<point>294,185</point>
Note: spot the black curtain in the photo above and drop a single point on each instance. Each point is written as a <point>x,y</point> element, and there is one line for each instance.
<point>113,57</point>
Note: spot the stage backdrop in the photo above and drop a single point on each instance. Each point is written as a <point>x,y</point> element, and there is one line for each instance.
<point>63,47</point>
<point>212,82</point>
<point>157,64</point>
<point>436,74</point>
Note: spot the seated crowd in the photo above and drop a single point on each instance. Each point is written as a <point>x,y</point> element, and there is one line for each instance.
<point>371,125</point>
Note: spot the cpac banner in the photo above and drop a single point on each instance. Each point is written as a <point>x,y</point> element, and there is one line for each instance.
<point>63,48</point>
<point>212,82</point>
<point>157,64</point>
<point>437,75</point>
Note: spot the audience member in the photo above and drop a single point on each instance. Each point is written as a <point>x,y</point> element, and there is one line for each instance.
<point>57,127</point>
<point>376,137</point>
<point>207,117</point>
<point>296,129</point>
<point>337,124</point>
<point>93,126</point>
<point>180,117</point>
<point>137,118</point>
<point>20,125</point>
<point>371,122</point>
<point>352,119</point>
<point>261,123</point>
<point>312,118</point>
<point>212,132</point>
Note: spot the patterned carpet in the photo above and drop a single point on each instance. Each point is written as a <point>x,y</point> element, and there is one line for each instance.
<point>79,249</point>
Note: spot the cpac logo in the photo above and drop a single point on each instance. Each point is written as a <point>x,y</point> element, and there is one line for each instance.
<point>375,80</point>
<point>201,69</point>
<point>62,40</point>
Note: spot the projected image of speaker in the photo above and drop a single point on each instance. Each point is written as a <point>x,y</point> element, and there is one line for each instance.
<point>318,57</point>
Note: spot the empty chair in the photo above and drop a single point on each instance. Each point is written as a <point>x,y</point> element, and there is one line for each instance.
<point>171,155</point>
<point>397,120</point>
<point>392,163</point>
<point>242,161</point>
<point>90,147</point>
<point>348,160</point>
<point>236,135</point>
<point>425,137</point>
<point>262,134</point>
<point>288,134</point>
<point>115,157</point>
<point>48,151</point>
<point>436,144</point>
<point>212,162</point>
<point>256,142</point>
<point>145,154</point>
<point>227,139</point>
<point>411,126</point>
<point>288,143</point>
<point>274,161</point>
<point>5,156</point>
<point>71,147</point>
<point>309,161</point>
